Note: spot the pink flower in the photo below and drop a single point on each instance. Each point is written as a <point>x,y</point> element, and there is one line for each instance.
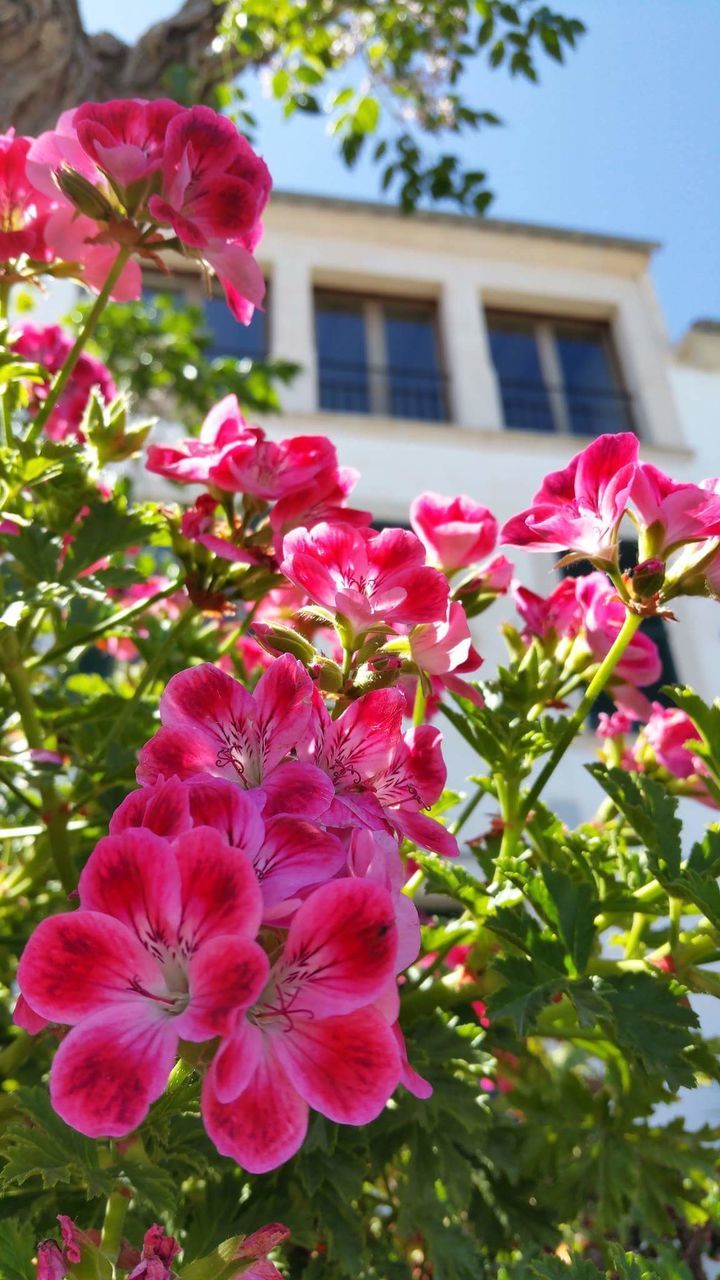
<point>50,346</point>
<point>365,577</point>
<point>444,650</point>
<point>382,780</point>
<point>158,1252</point>
<point>160,949</point>
<point>603,615</point>
<point>673,514</point>
<point>615,725</point>
<point>313,1038</point>
<point>558,615</point>
<point>454,531</point>
<point>264,469</point>
<point>375,856</point>
<point>190,461</point>
<point>321,501</point>
<point>9,528</point>
<point>23,208</point>
<point>212,725</point>
<point>579,509</point>
<point>73,237</point>
<point>288,855</point>
<point>125,138</point>
<point>668,731</point>
<point>55,149</point>
<point>51,1264</point>
<point>257,1246</point>
<point>214,191</point>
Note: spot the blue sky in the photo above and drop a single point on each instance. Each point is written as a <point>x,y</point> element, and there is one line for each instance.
<point>625,138</point>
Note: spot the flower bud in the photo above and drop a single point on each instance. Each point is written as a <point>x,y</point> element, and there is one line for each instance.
<point>327,674</point>
<point>645,579</point>
<point>277,638</point>
<point>87,198</point>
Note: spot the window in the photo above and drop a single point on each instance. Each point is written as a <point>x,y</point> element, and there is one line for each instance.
<point>227,336</point>
<point>653,627</point>
<point>379,357</point>
<point>558,375</point>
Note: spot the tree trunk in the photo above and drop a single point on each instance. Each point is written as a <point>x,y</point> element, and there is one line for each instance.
<point>48,62</point>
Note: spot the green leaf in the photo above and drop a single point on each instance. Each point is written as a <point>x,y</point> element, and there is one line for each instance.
<point>653,1024</point>
<point>651,812</point>
<point>43,1145</point>
<point>576,908</point>
<point>17,1250</point>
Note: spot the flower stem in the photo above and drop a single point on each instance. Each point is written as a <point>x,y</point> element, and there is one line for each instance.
<point>575,723</point>
<point>54,816</point>
<point>107,624</point>
<point>85,333</point>
<point>467,811</point>
<point>116,1209</point>
<point>419,704</point>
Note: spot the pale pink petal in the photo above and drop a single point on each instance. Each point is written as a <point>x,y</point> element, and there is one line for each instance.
<point>423,831</point>
<point>109,1070</point>
<point>295,854</point>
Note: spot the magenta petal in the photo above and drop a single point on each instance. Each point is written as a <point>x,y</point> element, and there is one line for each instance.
<point>264,1126</point>
<point>220,893</point>
<point>162,808</point>
<point>76,964</point>
<point>424,831</point>
<point>345,938</point>
<point>294,855</point>
<point>134,878</point>
<point>215,802</point>
<point>345,1067</point>
<point>361,741</point>
<point>25,1016</point>
<point>110,1068</point>
<point>297,789</point>
<point>235,1061</point>
<point>225,976</point>
<point>283,701</point>
<point>177,753</point>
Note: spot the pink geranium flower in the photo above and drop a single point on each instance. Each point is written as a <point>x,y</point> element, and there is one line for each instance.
<point>444,651</point>
<point>72,236</point>
<point>579,509</point>
<point>191,460</point>
<point>669,732</point>
<point>313,1038</point>
<point>454,531</point>
<point>557,615</point>
<point>265,469</point>
<point>322,500</point>
<point>673,514</point>
<point>23,208</point>
<point>603,614</point>
<point>365,577</point>
<point>125,138</point>
<point>161,949</point>
<point>212,725</point>
<point>50,346</point>
<point>288,855</point>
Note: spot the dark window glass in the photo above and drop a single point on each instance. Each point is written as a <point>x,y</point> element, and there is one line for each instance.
<point>514,349</point>
<point>595,402</point>
<point>342,355</point>
<point>229,337</point>
<point>413,365</point>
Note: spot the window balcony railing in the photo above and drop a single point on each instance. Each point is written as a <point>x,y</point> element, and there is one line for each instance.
<point>395,392</point>
<point>533,406</point>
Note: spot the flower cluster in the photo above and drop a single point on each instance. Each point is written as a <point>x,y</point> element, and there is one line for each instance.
<point>580,509</point>
<point>119,183</point>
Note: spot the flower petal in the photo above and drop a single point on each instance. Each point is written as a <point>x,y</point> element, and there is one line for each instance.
<point>220,892</point>
<point>294,855</point>
<point>345,939</point>
<point>134,878</point>
<point>76,964</point>
<point>264,1126</point>
<point>225,976</point>
<point>345,1067</point>
<point>297,789</point>
<point>162,808</point>
<point>215,802</point>
<point>235,1061</point>
<point>110,1068</point>
<point>283,703</point>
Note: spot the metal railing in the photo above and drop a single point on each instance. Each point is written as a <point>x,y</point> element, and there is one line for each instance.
<point>534,406</point>
<point>394,392</point>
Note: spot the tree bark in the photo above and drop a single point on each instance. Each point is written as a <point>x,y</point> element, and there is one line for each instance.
<point>48,62</point>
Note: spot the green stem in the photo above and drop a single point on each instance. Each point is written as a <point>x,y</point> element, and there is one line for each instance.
<point>54,817</point>
<point>85,333</point>
<point>4,300</point>
<point>575,723</point>
<point>116,1209</point>
<point>15,1054</point>
<point>116,620</point>
<point>441,996</point>
<point>419,704</point>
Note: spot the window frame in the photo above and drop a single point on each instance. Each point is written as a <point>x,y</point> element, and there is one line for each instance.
<point>543,326</point>
<point>378,370</point>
